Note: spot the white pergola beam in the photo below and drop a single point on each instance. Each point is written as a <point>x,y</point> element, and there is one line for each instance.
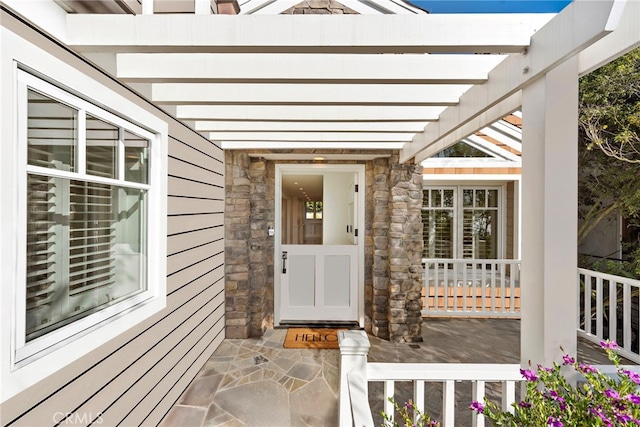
<point>318,94</point>
<point>339,113</point>
<point>480,121</point>
<point>273,126</point>
<point>346,137</point>
<point>490,33</point>
<point>577,26</point>
<point>305,68</point>
<point>625,38</point>
<point>302,145</point>
<point>491,148</point>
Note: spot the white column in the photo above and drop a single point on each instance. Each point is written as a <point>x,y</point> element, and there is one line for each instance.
<point>354,347</point>
<point>549,215</point>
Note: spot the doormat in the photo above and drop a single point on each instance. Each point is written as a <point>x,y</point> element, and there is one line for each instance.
<point>312,338</point>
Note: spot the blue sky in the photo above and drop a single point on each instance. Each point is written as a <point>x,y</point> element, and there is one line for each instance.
<point>491,6</point>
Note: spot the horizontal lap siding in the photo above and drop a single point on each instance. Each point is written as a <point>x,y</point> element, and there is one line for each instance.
<point>135,378</point>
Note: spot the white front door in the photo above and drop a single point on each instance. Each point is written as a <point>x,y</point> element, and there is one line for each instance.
<point>318,250</point>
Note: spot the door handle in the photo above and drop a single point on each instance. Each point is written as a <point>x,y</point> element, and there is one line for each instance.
<point>284,262</point>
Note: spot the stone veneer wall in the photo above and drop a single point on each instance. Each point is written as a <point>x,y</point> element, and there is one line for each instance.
<point>319,7</point>
<point>393,246</point>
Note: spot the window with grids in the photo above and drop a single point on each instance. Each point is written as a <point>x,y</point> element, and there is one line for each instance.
<point>87,190</point>
<point>461,222</point>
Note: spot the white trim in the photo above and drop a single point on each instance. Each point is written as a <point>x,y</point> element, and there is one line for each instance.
<point>313,169</point>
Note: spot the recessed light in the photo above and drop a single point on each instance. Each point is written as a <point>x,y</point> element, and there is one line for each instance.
<point>319,158</point>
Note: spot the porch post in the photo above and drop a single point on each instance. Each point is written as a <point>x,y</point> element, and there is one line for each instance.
<point>549,216</point>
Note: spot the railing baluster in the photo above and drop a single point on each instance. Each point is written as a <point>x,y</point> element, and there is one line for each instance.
<point>613,311</point>
<point>587,303</point>
<point>599,304</point>
<point>513,270</point>
<point>418,399</point>
<point>448,403</point>
<point>389,391</point>
<point>626,315</point>
<point>477,394</point>
<point>465,283</point>
<point>436,280</point>
<point>508,396</point>
<point>492,295</point>
<point>474,277</point>
<point>445,279</point>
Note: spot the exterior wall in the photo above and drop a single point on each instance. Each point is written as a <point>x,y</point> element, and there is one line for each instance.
<point>135,378</point>
<point>393,245</point>
<point>319,7</point>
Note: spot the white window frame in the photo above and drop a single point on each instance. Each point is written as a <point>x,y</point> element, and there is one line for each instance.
<point>27,351</point>
<point>24,364</point>
<point>458,210</point>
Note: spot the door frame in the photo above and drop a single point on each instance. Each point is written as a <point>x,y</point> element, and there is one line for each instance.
<point>315,169</point>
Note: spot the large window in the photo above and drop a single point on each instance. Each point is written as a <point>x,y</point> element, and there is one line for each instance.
<point>461,222</point>
<point>86,216</point>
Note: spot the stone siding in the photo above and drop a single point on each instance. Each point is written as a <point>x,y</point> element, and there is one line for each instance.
<point>319,7</point>
<point>393,245</point>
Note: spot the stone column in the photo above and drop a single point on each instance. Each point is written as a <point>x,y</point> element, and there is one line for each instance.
<point>405,241</point>
<point>237,222</point>
<point>380,262</point>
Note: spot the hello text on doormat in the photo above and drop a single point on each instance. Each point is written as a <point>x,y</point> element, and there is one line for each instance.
<point>312,338</point>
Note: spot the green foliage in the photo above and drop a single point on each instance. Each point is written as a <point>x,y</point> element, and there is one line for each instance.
<point>609,147</point>
<point>551,400</point>
<point>406,413</point>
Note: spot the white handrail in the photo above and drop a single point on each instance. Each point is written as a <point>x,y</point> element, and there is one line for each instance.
<point>472,287</point>
<point>608,309</point>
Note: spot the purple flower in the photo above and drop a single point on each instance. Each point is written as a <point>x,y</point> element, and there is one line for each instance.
<point>612,394</point>
<point>632,376</point>
<point>554,422</point>
<point>587,369</point>
<point>623,418</point>
<point>408,405</point>
<point>609,345</point>
<point>529,375</point>
<point>568,360</point>
<point>524,404</point>
<point>477,406</point>
<point>633,398</point>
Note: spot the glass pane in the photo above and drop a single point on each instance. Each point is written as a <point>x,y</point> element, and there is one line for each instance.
<point>492,198</point>
<point>436,198</point>
<point>318,210</point>
<point>425,198</point>
<point>52,133</point>
<point>480,201</point>
<point>438,234</point>
<point>467,198</point>
<point>136,158</point>
<point>479,231</point>
<point>447,201</point>
<point>102,146</point>
<point>461,149</point>
<point>310,210</point>
<point>86,249</point>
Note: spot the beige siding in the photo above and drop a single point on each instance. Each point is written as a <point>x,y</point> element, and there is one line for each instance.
<point>135,378</point>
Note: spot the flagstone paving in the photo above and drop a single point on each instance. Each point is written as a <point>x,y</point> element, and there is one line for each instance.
<point>258,383</point>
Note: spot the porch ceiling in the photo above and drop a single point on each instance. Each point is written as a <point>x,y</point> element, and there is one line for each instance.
<point>415,82</point>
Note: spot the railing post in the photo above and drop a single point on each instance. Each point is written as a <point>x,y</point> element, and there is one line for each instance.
<point>354,347</point>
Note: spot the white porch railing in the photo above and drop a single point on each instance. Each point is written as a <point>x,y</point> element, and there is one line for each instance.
<point>356,374</point>
<point>471,287</point>
<point>608,309</point>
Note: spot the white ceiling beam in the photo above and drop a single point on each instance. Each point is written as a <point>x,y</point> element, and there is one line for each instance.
<point>302,145</point>
<point>305,68</point>
<point>273,126</point>
<point>580,24</point>
<point>512,142</point>
<point>339,113</point>
<point>470,162</point>
<point>346,137</point>
<point>318,94</point>
<point>486,33</point>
